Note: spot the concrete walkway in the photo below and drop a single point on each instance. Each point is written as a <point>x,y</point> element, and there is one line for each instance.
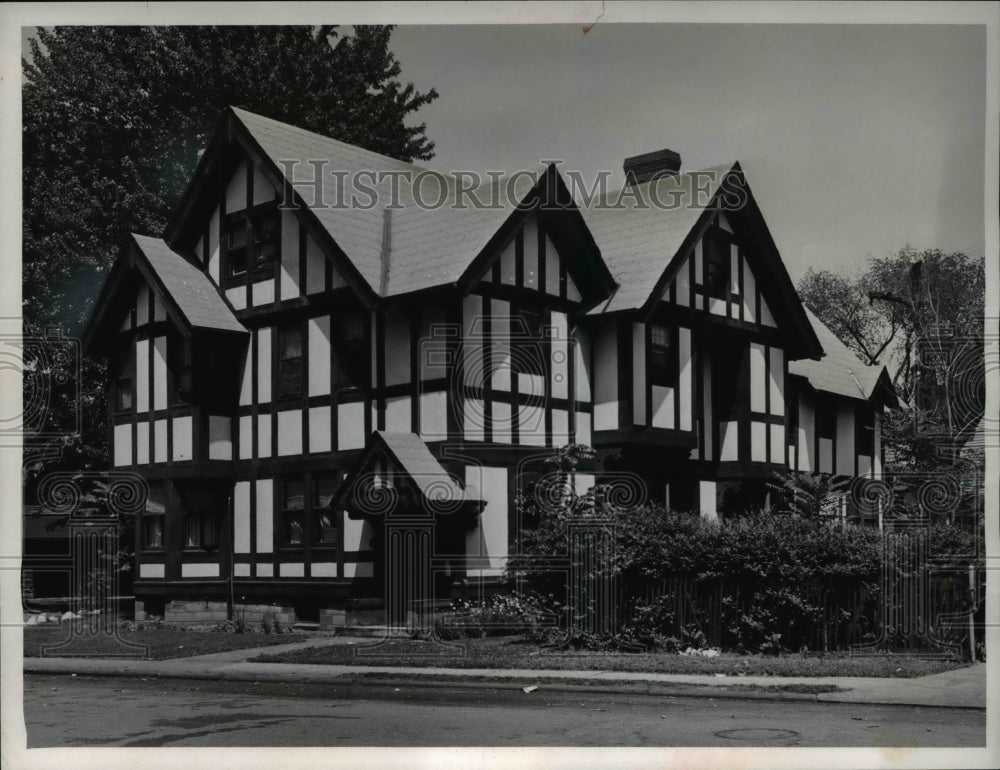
<point>959,688</point>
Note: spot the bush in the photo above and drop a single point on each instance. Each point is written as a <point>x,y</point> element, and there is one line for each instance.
<point>499,615</point>
<point>763,582</point>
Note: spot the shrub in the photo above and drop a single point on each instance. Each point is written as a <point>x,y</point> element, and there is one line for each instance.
<point>498,615</point>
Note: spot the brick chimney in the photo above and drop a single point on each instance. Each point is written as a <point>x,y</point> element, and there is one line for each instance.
<point>651,165</point>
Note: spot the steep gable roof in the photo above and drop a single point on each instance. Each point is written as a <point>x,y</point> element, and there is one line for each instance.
<point>395,245</point>
<point>644,244</point>
<point>194,293</point>
<point>189,295</point>
<point>412,457</point>
<point>840,371</point>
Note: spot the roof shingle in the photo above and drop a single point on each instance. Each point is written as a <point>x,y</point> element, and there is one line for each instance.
<point>192,290</point>
<point>840,371</point>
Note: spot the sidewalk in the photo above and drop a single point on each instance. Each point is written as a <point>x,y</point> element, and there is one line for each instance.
<point>960,688</point>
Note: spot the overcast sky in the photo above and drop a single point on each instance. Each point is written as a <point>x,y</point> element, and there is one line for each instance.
<point>855,139</point>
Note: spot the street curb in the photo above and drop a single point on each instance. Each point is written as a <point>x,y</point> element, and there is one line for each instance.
<point>562,684</point>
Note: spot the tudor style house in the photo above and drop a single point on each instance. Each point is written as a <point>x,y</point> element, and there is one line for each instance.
<point>335,405</point>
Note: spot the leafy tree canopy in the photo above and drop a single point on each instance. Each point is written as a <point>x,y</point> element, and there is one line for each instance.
<point>114,119</point>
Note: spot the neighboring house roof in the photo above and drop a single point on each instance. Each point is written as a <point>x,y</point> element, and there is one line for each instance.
<point>840,371</point>
<point>639,242</point>
<point>193,292</point>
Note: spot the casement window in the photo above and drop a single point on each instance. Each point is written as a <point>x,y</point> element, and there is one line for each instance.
<point>290,362</point>
<point>124,388</point>
<point>351,352</point>
<point>716,251</point>
<point>324,488</point>
<point>201,530</point>
<point>153,517</point>
<point>662,356</point>
<point>252,240</point>
<point>293,505</point>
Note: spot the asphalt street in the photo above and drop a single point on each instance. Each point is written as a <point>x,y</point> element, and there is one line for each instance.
<point>65,711</point>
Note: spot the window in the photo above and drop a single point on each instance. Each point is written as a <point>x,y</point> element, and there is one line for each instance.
<point>252,239</point>
<point>153,516</point>
<point>351,350</point>
<point>123,387</point>
<point>123,381</point>
<point>826,418</point>
<point>200,531</point>
<point>238,244</point>
<point>293,511</point>
<point>289,362</point>
<point>717,263</point>
<point>179,365</point>
<point>324,488</point>
<point>662,370</point>
<point>864,432</point>
<point>265,234</point>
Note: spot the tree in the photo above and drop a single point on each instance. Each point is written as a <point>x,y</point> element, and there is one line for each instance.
<point>921,314</point>
<point>114,120</point>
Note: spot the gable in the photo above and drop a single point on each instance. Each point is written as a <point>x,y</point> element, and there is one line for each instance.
<point>299,266</point>
<point>531,261</point>
<point>151,283</point>
<point>742,297</point>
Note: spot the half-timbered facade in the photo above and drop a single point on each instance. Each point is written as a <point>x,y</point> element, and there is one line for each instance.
<point>322,381</point>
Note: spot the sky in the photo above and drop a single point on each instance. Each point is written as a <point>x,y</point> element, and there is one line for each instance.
<point>855,139</point>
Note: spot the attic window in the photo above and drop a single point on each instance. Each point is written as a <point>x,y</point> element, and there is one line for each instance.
<point>252,239</point>
<point>717,262</point>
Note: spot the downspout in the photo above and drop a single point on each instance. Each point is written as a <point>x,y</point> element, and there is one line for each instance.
<point>231,518</point>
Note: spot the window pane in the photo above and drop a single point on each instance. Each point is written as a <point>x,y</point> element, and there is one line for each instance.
<point>716,264</point>
<point>351,329</point>
<point>237,261</point>
<point>291,344</point>
<point>326,527</point>
<point>192,532</point>
<point>152,528</point>
<point>325,488</point>
<point>125,393</point>
<point>295,494</point>
<point>238,233</point>
<point>660,335</point>
<point>290,378</point>
<point>209,532</point>
<point>294,529</point>
<point>156,499</point>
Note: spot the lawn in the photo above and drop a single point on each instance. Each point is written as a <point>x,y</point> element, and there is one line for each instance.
<point>513,653</point>
<point>154,644</point>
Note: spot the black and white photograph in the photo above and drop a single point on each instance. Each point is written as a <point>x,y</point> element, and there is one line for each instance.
<point>443,384</point>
